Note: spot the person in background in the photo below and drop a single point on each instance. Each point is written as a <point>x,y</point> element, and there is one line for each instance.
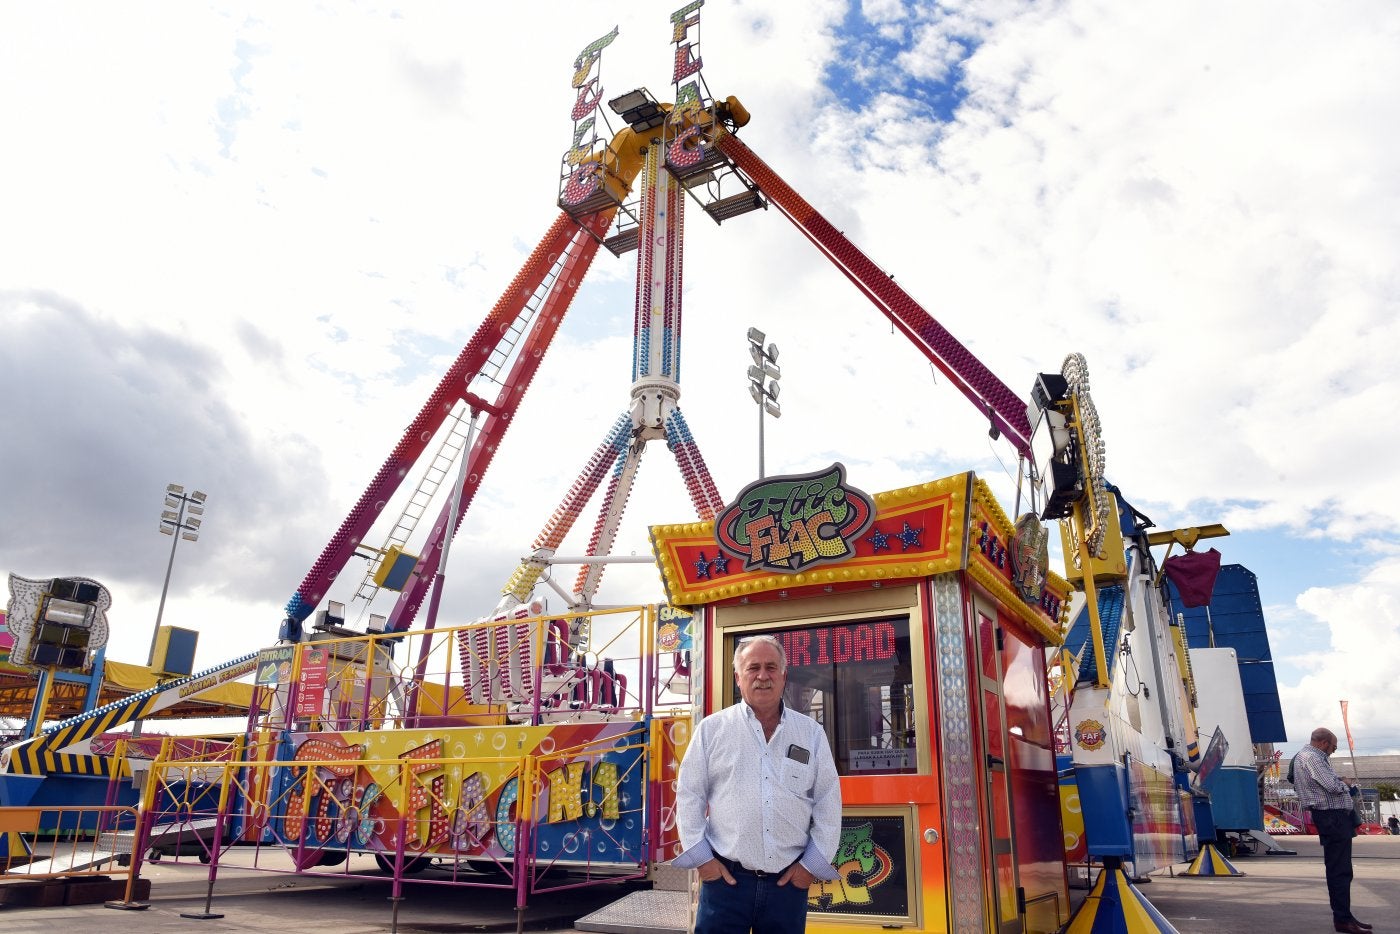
<point>758,804</point>
<point>1394,824</point>
<point>1329,798</point>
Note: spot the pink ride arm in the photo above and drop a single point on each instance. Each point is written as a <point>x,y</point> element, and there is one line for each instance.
<point>1006,410</point>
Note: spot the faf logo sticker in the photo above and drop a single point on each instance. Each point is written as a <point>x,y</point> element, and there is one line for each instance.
<point>1089,734</point>
<point>783,524</point>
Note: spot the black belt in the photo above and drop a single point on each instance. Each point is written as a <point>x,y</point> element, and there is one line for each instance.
<point>734,867</point>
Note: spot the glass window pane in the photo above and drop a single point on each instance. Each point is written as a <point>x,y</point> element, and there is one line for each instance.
<point>987,637</point>
<point>1024,689</point>
<point>856,680</point>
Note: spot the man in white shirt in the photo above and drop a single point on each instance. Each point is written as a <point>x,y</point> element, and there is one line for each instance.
<point>759,804</point>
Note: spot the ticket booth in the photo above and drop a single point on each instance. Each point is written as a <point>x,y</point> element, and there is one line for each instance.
<point>917,625</point>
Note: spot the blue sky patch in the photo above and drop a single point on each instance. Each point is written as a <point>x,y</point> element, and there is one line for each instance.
<point>875,58</point>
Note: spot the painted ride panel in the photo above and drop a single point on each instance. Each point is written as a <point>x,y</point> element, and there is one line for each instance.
<point>458,792</point>
<point>546,755</point>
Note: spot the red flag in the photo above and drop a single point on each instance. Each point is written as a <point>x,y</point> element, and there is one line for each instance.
<point>1351,746</point>
<point>1194,575</point>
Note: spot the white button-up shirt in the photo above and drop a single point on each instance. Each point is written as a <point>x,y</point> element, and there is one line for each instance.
<point>763,803</point>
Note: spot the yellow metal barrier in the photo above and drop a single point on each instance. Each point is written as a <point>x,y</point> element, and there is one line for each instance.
<point>77,844</point>
<point>440,750</point>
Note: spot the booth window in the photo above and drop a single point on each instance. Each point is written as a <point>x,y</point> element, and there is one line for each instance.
<point>854,678</point>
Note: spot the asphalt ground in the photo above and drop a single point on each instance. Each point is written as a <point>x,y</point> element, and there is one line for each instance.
<point>1282,893</point>
<point>1276,894</point>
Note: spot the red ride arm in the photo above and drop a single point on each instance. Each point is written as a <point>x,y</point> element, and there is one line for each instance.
<point>453,386</point>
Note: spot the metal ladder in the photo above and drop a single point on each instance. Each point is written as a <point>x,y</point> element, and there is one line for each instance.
<point>458,427</point>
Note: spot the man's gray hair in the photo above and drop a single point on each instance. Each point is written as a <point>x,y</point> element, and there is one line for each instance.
<point>754,640</point>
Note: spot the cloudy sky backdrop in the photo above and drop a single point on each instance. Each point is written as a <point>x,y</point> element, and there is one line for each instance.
<point>241,242</point>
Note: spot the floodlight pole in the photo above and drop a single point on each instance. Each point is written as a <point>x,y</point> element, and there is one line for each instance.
<point>176,527</point>
<point>175,523</point>
<point>763,384</point>
<point>160,610</point>
<point>760,441</point>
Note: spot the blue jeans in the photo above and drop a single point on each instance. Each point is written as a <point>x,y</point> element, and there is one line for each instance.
<point>751,904</point>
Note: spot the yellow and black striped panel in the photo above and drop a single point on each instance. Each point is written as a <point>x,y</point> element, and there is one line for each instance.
<point>39,762</point>
<point>39,756</point>
<point>42,755</point>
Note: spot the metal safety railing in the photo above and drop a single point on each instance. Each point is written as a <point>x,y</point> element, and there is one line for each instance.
<point>556,772</point>
<point>521,669</point>
<point>69,842</point>
<point>529,823</point>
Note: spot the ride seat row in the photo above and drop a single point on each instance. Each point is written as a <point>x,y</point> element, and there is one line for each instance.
<point>499,666</point>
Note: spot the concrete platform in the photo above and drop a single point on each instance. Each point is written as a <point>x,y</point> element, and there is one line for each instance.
<point>1279,893</point>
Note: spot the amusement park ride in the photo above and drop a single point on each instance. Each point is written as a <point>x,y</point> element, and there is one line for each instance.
<point>922,626</point>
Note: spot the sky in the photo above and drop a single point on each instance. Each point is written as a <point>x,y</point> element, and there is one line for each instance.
<point>240,243</point>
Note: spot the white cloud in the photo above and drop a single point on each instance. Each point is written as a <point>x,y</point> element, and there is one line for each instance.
<point>1358,663</point>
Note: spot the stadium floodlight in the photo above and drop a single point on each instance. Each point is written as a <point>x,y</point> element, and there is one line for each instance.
<point>763,383</point>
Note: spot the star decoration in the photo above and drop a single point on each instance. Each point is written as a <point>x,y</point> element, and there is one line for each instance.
<point>879,539</point>
<point>909,537</point>
<point>720,565</point>
<point>702,567</point>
